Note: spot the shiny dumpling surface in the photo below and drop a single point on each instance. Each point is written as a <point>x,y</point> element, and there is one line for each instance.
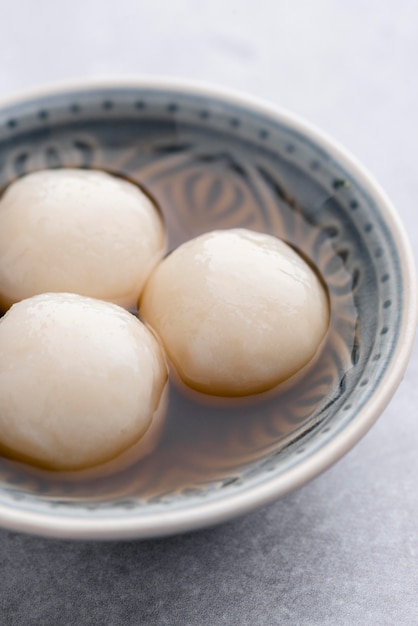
<point>79,231</point>
<point>80,380</point>
<point>237,311</point>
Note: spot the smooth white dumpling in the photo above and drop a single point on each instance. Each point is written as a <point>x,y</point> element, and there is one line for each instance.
<point>238,312</point>
<point>79,231</point>
<point>80,381</point>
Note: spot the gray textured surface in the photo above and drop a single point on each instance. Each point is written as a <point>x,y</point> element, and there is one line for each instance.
<point>344,549</point>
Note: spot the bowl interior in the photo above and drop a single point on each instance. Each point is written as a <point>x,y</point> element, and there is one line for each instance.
<point>212,163</point>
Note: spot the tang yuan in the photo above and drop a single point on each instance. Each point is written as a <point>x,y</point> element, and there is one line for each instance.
<point>79,231</point>
<point>80,381</point>
<point>238,312</point>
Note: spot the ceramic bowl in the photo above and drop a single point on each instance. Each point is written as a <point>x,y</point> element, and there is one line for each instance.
<point>214,159</point>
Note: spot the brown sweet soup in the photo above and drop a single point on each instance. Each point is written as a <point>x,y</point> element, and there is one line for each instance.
<point>207,439</point>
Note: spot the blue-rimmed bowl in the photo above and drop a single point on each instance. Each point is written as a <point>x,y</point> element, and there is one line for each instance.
<point>215,159</point>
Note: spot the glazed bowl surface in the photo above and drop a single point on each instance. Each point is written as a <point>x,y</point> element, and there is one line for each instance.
<point>213,159</point>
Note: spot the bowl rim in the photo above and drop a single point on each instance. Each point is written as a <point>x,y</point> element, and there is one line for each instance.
<point>208,514</point>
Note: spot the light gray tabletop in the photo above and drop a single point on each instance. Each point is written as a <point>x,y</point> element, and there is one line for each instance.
<point>344,549</point>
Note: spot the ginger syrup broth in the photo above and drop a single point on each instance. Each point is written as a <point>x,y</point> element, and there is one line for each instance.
<point>207,440</point>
